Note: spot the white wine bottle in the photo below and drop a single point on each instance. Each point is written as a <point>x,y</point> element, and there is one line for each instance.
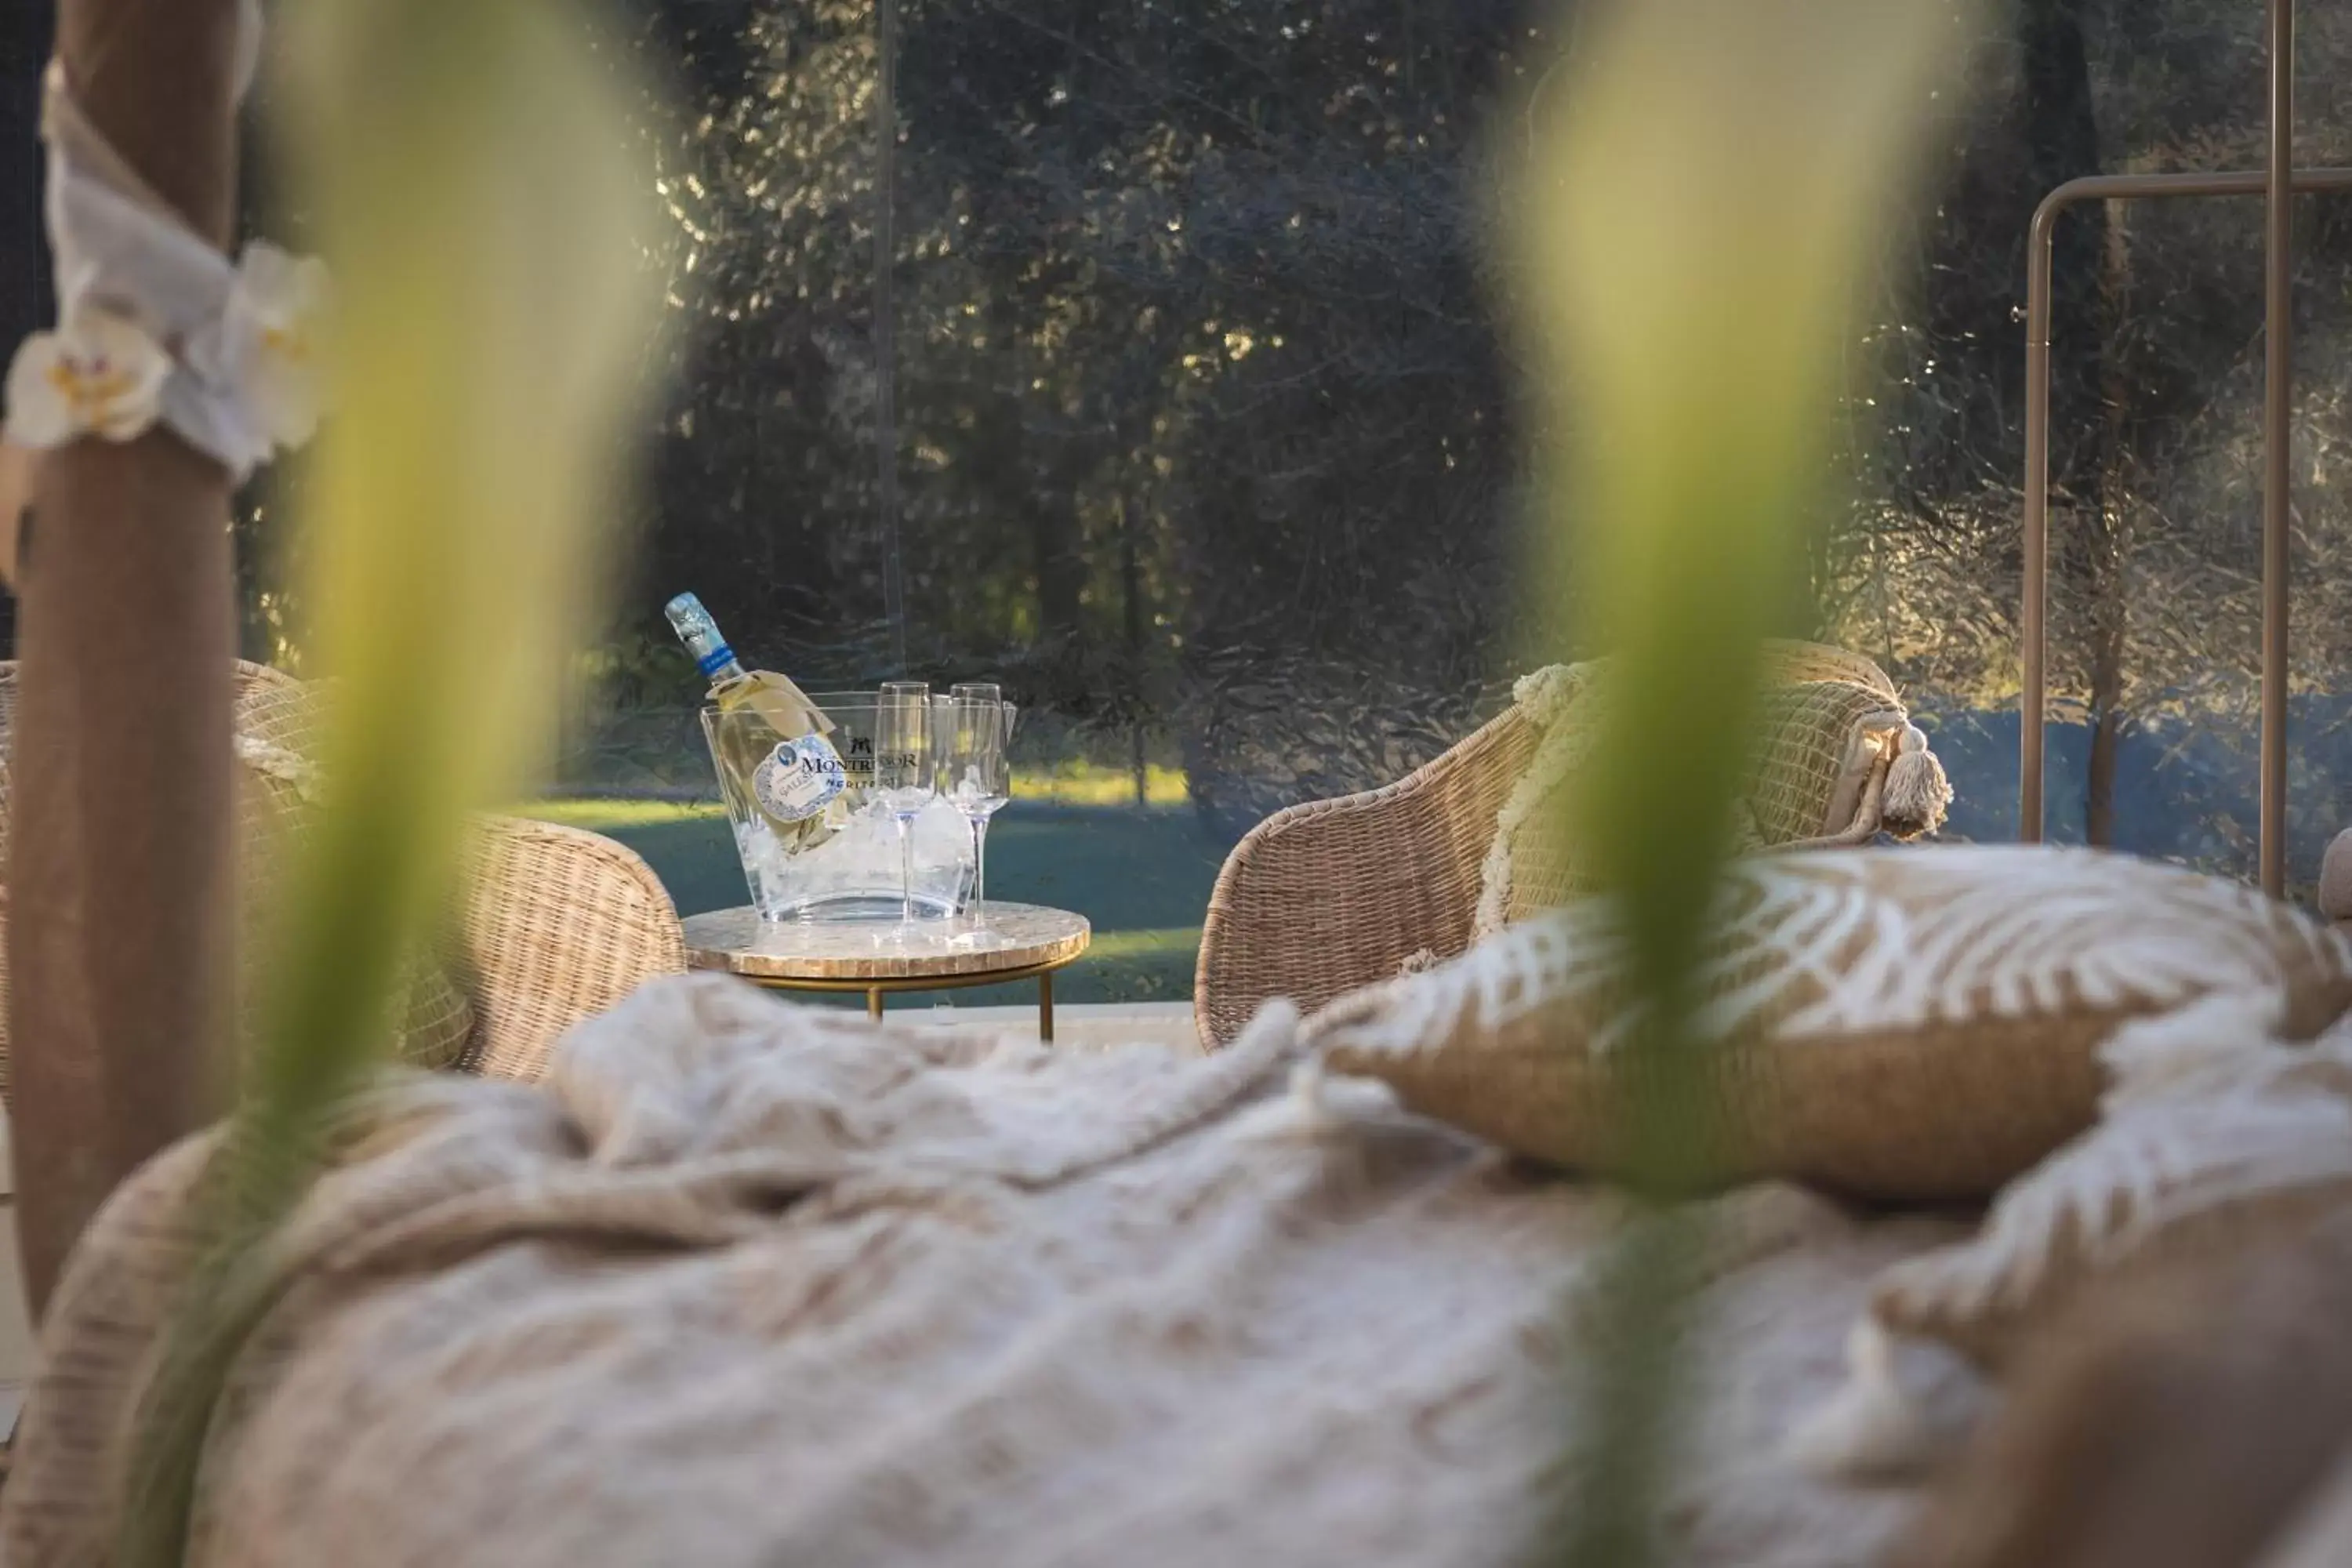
<point>771,749</point>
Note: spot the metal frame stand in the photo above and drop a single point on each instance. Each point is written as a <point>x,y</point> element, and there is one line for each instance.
<point>2277,183</point>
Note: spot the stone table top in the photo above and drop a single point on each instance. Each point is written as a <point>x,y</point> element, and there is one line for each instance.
<point>1008,937</point>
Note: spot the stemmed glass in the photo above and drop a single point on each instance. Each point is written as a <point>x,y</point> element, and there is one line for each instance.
<point>975,770</point>
<point>902,771</point>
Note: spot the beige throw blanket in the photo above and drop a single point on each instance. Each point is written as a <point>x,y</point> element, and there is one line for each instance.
<point>747,1284</point>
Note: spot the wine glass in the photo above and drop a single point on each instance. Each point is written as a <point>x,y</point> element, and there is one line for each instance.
<point>975,770</point>
<point>902,771</point>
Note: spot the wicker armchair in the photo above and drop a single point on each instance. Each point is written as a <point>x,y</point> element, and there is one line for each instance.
<point>557,925</point>
<point>1325,898</point>
<point>1321,898</point>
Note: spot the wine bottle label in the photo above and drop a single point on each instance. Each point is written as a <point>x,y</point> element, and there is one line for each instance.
<point>798,778</point>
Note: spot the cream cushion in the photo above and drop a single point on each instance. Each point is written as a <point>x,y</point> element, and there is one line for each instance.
<point>1827,723</point>
<point>1893,1024</point>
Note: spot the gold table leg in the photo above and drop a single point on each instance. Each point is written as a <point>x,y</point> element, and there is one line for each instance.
<point>877,991</point>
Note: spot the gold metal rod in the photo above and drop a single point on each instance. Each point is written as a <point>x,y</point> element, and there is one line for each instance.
<point>2278,442</point>
<point>2033,621</point>
<point>2031,613</point>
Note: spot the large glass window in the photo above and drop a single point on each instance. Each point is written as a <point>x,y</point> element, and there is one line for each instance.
<point>1203,435</point>
<point>2156,436</point>
<point>1193,418</point>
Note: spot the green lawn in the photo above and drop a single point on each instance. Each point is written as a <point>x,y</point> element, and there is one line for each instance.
<point>1141,875</point>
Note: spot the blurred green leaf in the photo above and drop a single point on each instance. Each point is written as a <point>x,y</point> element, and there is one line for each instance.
<point>1697,209</point>
<point>465,161</point>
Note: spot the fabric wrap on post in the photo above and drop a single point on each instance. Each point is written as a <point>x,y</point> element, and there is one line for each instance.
<point>122,251</point>
<point>156,324</point>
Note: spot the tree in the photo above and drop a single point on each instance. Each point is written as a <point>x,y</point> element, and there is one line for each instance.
<point>1193,356</point>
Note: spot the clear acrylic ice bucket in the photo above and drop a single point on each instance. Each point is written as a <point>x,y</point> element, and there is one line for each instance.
<point>852,873</point>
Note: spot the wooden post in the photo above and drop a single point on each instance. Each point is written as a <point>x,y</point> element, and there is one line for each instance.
<point>118,931</point>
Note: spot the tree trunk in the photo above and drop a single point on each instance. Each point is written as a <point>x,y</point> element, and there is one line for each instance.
<point>2061,137</point>
<point>886,324</point>
<point>2110,546</point>
<point>118,931</point>
<point>1058,557</point>
<point>1131,577</point>
<point>2061,142</point>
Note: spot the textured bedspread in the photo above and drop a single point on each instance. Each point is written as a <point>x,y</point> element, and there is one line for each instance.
<point>746,1284</point>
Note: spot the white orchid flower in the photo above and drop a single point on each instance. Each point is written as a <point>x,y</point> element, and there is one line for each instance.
<point>276,316</point>
<point>100,374</point>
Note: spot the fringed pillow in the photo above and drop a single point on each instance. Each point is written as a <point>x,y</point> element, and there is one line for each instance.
<point>1892,1024</point>
<point>1530,867</point>
<point>2216,1139</point>
<point>2213,1127</point>
<point>1836,760</point>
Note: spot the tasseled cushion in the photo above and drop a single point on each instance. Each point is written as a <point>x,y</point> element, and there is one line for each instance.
<point>1890,1025</point>
<point>1834,760</point>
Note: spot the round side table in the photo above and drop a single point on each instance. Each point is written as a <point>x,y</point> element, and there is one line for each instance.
<point>1010,941</point>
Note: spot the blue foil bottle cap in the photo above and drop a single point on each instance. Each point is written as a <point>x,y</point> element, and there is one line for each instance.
<point>696,628</point>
